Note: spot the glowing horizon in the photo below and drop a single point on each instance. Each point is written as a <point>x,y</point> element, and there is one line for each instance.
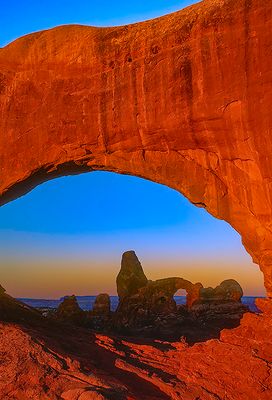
<point>76,229</point>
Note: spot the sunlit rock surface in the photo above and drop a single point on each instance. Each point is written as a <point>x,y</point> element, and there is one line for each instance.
<point>41,364</point>
<point>183,100</point>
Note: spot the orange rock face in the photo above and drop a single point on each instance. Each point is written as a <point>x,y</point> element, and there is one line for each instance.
<point>183,100</point>
<point>70,364</point>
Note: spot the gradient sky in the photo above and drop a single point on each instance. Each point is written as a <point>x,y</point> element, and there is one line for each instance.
<point>67,235</point>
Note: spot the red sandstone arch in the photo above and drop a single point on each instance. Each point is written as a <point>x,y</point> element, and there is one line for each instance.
<point>183,100</point>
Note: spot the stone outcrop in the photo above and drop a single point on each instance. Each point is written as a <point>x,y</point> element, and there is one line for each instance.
<point>51,360</point>
<point>156,297</point>
<point>183,100</point>
<point>12,310</point>
<point>72,364</point>
<point>220,307</point>
<point>131,276</point>
<point>69,311</point>
<point>228,291</point>
<point>102,305</point>
<point>100,316</point>
<point>148,308</point>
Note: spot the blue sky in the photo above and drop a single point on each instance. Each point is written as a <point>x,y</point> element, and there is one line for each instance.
<point>19,17</point>
<point>68,235</point>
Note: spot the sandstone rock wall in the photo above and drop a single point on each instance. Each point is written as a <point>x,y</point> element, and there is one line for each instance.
<point>183,100</point>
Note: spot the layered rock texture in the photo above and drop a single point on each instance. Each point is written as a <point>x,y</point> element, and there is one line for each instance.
<point>183,100</point>
<point>50,359</point>
<point>74,364</point>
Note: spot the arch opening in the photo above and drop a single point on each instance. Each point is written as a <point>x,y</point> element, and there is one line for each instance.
<point>162,100</point>
<point>181,233</point>
<point>186,241</point>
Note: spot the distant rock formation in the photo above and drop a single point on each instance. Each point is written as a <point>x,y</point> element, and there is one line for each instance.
<point>69,311</point>
<point>148,307</point>
<point>228,290</point>
<point>102,305</point>
<point>131,277</point>
<point>100,316</point>
<point>155,298</point>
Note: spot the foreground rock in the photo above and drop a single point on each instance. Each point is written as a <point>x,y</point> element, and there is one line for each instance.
<point>72,364</point>
<point>183,100</point>
<point>12,310</point>
<point>42,360</point>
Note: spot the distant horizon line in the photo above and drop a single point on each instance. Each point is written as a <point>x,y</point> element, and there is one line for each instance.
<point>111,295</point>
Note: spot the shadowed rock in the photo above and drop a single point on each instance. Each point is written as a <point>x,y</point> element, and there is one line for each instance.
<point>13,310</point>
<point>69,311</point>
<point>148,307</point>
<point>228,290</point>
<point>101,305</point>
<point>2,290</point>
<point>131,276</point>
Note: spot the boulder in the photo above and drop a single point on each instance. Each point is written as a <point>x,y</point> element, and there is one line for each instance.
<point>220,307</point>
